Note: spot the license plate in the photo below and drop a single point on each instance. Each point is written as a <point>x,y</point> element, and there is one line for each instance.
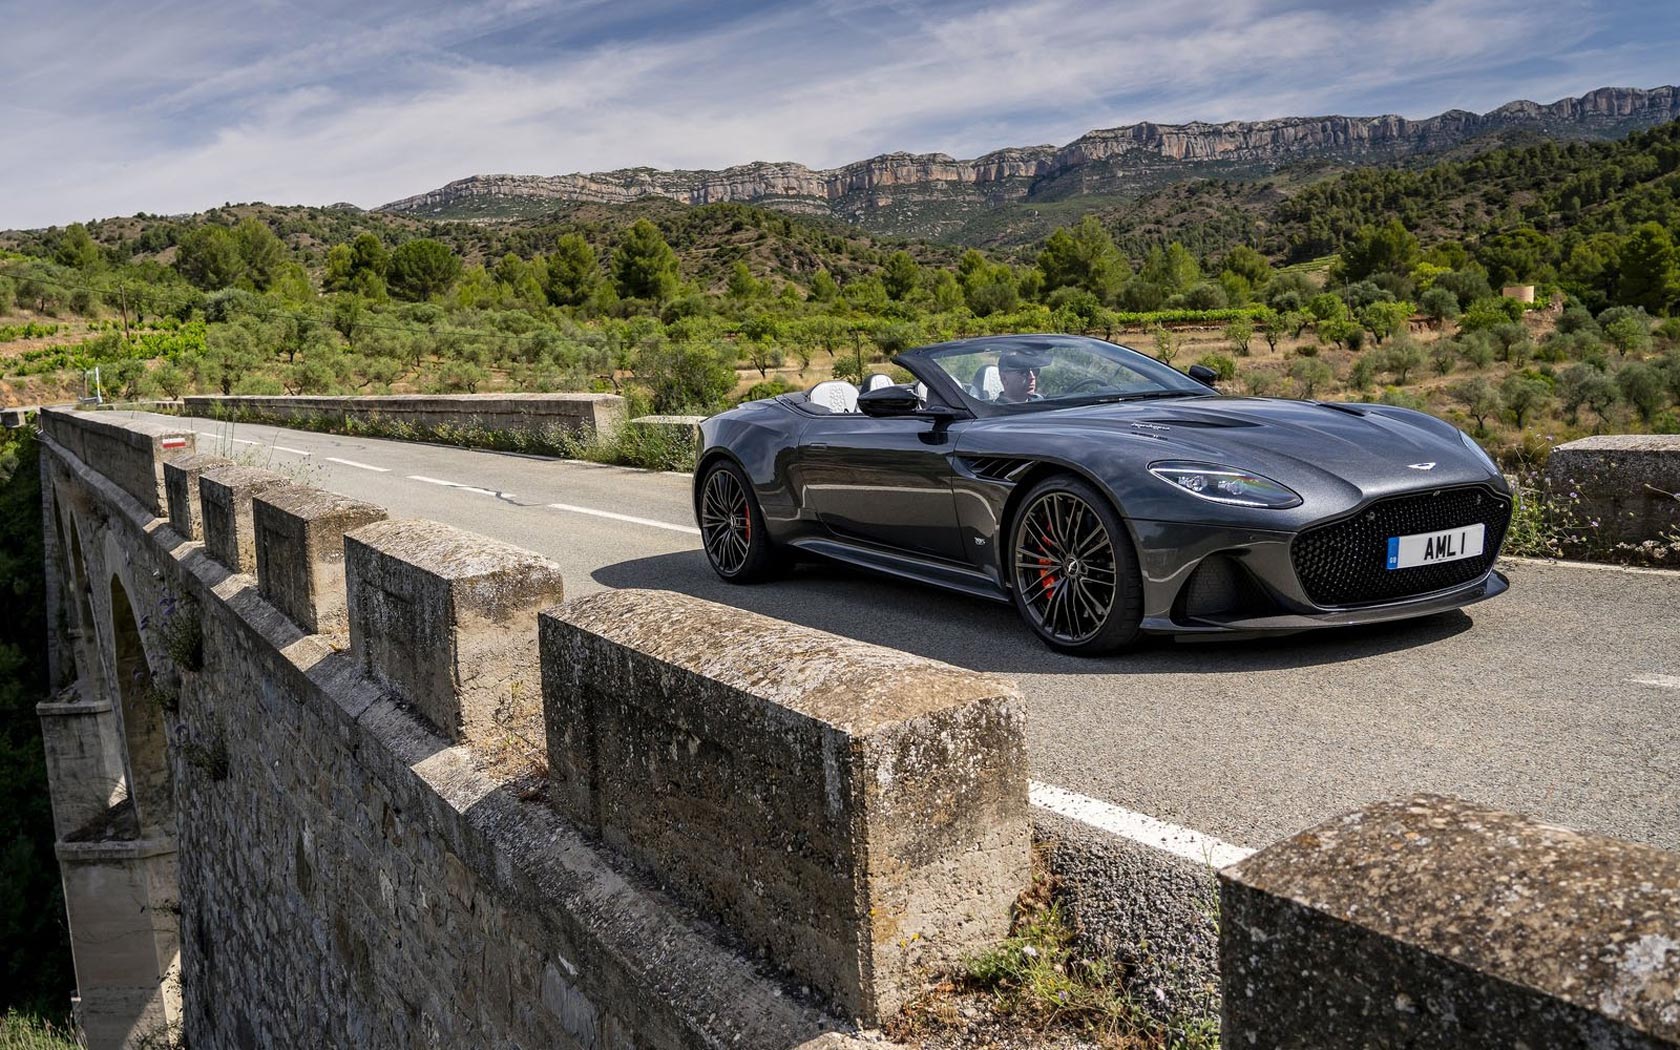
<point>1427,548</point>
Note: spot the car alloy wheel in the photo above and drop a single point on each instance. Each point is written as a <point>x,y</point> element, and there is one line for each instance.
<point>726,522</point>
<point>1074,572</point>
<point>732,528</point>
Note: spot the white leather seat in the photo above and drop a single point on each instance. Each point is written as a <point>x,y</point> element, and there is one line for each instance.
<point>987,384</point>
<point>836,395</point>
<point>876,381</point>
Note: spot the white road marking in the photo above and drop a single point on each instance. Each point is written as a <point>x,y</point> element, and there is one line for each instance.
<point>1129,824</point>
<point>1661,681</point>
<point>458,485</point>
<point>359,466</point>
<point>689,529</point>
<point>234,440</point>
<point>293,451</point>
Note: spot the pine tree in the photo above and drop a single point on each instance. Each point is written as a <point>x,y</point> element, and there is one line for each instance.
<point>644,266</point>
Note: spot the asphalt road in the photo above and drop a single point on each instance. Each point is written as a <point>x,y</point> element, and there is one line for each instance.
<point>1560,699</point>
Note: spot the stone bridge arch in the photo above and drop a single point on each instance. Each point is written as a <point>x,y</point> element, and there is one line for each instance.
<point>110,776</point>
<point>145,743</point>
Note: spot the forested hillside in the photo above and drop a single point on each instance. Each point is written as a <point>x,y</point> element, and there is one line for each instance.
<point>1390,291</point>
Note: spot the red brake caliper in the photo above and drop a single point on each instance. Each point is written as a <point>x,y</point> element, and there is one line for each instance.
<point>1046,578</point>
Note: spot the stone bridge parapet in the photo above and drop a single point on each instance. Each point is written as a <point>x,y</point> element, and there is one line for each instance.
<point>542,413</point>
<point>327,779</point>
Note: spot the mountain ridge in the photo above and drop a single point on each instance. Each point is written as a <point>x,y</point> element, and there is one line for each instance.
<point>934,194</point>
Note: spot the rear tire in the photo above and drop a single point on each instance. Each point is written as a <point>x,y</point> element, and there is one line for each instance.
<point>732,528</point>
<point>1073,572</point>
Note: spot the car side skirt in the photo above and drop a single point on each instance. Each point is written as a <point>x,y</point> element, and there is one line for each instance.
<point>903,566</point>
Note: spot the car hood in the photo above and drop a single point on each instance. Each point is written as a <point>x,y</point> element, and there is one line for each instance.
<point>1374,449</point>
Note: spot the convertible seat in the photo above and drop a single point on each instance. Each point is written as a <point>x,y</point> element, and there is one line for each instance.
<point>836,395</point>
<point>877,381</point>
<point>987,384</point>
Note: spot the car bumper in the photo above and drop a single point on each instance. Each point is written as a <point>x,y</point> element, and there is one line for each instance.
<point>1489,586</point>
<point>1170,553</point>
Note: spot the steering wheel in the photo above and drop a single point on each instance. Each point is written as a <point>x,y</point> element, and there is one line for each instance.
<point>1089,383</point>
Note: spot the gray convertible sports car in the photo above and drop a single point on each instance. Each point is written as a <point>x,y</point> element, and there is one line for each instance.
<point>1107,494</point>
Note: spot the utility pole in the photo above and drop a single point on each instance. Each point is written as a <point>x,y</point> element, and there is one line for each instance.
<point>122,299</point>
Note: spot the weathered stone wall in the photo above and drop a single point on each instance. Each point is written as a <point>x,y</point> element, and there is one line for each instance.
<point>129,452</point>
<point>1435,923</point>
<point>542,413</point>
<point>348,875</point>
<point>1617,488</point>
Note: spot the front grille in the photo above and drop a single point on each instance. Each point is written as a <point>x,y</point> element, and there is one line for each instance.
<point>1345,562</point>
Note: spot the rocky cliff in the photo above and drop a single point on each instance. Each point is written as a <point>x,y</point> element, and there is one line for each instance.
<point>930,194</point>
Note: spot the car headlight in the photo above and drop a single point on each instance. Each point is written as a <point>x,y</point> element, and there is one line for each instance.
<point>1241,488</point>
<point>1479,452</point>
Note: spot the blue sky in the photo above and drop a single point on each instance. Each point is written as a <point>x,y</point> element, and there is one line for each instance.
<point>108,108</point>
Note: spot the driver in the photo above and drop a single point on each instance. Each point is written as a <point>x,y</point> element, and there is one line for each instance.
<point>1018,372</point>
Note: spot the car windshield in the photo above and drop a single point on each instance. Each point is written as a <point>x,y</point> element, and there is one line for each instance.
<point>1056,370</point>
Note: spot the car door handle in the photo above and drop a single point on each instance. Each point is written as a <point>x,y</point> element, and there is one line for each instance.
<point>818,446</point>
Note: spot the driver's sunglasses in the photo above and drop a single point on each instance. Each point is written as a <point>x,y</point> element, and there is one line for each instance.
<point>1031,371</point>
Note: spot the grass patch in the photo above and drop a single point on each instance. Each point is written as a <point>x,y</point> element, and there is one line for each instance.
<point>20,1031</point>
<point>1038,984</point>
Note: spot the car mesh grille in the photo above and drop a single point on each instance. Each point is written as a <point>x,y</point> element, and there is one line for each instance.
<point>1345,562</point>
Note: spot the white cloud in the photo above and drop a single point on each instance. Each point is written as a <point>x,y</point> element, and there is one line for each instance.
<point>293,104</point>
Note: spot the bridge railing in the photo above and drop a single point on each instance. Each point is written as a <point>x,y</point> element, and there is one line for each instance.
<point>130,452</point>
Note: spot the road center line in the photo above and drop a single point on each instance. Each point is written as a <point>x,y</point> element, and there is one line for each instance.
<point>293,451</point>
<point>688,529</point>
<point>1661,681</point>
<point>1129,824</point>
<point>358,466</point>
<point>458,485</point>
<point>232,440</point>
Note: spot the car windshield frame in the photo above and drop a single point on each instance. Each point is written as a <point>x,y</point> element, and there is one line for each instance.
<point>1164,381</point>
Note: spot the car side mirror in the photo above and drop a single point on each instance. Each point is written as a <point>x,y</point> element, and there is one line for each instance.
<point>1203,375</point>
<point>889,401</point>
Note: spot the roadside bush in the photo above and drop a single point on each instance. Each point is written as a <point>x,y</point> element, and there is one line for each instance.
<point>767,388</point>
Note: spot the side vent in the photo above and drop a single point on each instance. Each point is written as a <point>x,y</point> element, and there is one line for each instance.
<point>996,468</point>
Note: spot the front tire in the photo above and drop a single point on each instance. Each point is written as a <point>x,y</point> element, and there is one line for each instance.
<point>732,527</point>
<point>1073,572</point>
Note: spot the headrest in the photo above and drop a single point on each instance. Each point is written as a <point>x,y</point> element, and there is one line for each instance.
<point>876,381</point>
<point>987,384</point>
<point>836,395</point>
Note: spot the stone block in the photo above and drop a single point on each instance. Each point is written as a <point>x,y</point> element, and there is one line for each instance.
<point>543,413</point>
<point>447,620</point>
<point>130,452</point>
<point>299,536</point>
<point>225,512</point>
<point>1433,922</point>
<point>856,813</point>
<point>180,484</point>
<point>1628,483</point>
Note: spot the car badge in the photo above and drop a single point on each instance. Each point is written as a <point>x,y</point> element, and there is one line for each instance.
<point>1149,426</point>
<point>1421,466</point>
